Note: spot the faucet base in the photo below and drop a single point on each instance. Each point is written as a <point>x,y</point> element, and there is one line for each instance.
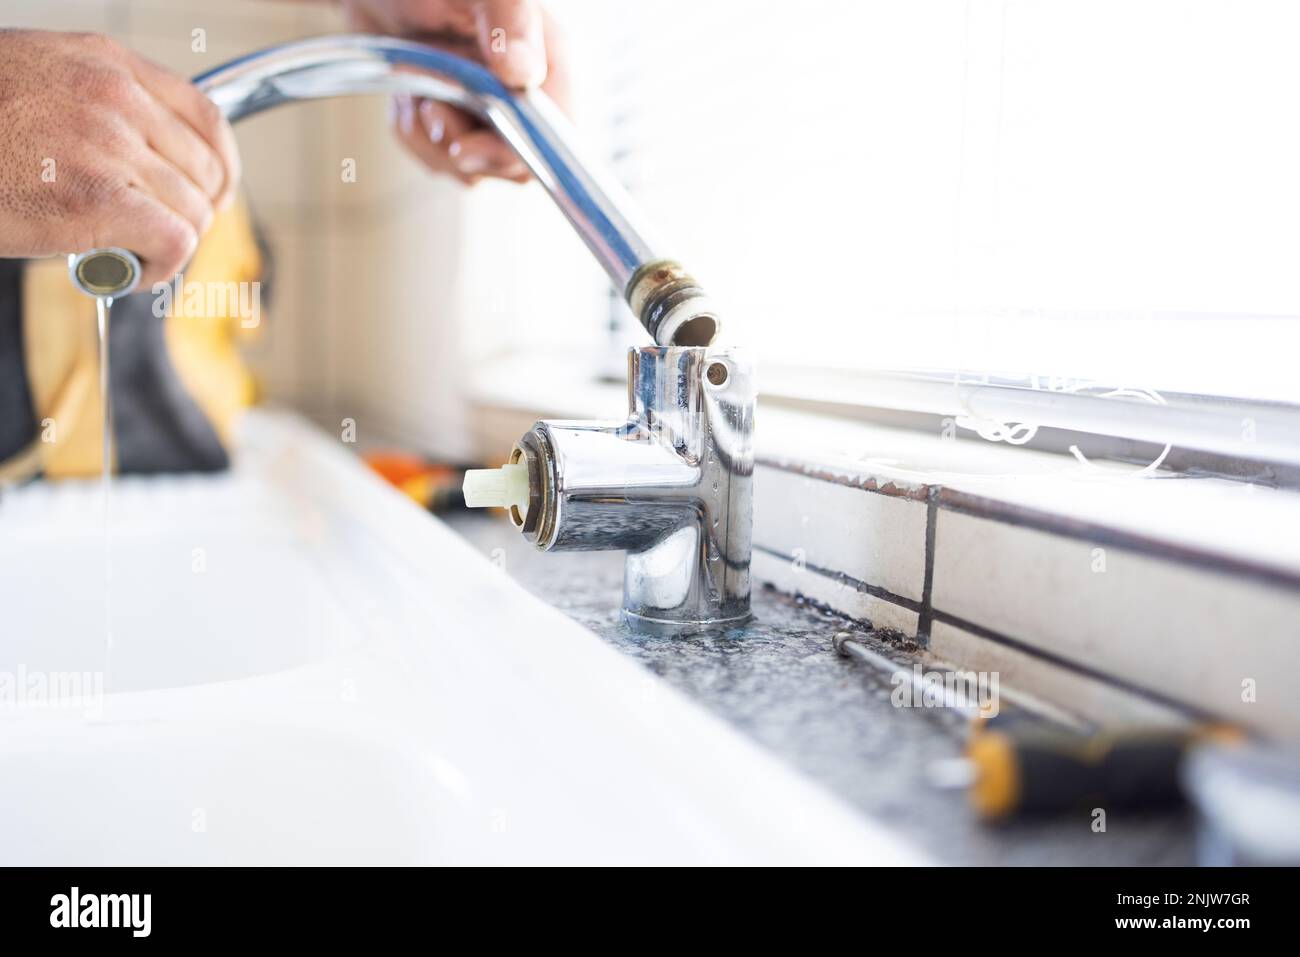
<point>662,627</point>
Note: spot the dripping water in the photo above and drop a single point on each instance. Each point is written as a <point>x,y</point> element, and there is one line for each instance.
<point>104,312</point>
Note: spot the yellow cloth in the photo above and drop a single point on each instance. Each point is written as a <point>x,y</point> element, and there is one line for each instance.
<point>62,357</point>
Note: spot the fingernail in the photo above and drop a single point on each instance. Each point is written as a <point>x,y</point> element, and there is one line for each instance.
<point>433,122</point>
<point>467,161</point>
<point>524,63</point>
<point>405,108</point>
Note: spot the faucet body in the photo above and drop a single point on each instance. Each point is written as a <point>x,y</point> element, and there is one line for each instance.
<point>672,484</point>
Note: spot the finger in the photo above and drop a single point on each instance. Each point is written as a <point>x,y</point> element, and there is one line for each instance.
<point>186,151</point>
<point>204,116</point>
<point>162,238</point>
<point>442,124</point>
<point>425,128</point>
<point>158,177</point>
<point>463,145</point>
<point>558,85</point>
<point>482,152</point>
<point>362,20</point>
<point>512,41</point>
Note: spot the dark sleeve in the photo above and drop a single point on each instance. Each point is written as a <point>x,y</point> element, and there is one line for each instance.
<point>157,425</point>
<point>17,417</point>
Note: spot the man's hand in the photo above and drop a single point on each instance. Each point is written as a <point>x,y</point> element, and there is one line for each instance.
<point>515,38</point>
<point>101,147</point>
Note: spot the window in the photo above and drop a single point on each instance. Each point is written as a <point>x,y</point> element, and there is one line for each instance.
<point>1107,190</point>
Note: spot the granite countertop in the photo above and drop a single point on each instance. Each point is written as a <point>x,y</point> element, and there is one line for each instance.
<point>779,682</point>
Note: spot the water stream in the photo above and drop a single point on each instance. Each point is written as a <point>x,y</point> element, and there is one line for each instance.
<point>104,312</point>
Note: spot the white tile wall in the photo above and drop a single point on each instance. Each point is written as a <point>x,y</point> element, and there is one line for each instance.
<point>1191,634</point>
<point>875,538</point>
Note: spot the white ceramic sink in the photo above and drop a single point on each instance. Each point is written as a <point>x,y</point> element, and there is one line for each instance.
<point>307,668</point>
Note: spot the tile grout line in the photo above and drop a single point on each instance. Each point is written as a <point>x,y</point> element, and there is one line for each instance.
<point>926,616</point>
<point>876,591</point>
<point>889,489</point>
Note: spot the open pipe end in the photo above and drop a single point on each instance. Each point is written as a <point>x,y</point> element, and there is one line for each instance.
<point>697,331</point>
<point>671,305</point>
<point>105,273</point>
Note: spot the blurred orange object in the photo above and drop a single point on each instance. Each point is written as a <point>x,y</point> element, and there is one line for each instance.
<point>435,486</point>
<point>396,467</point>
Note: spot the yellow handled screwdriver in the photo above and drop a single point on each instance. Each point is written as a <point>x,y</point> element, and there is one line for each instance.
<point>1014,767</point>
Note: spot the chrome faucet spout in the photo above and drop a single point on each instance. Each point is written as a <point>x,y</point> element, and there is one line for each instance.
<point>670,304</point>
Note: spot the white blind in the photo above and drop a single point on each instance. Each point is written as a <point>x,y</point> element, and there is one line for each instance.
<point>1107,189</point>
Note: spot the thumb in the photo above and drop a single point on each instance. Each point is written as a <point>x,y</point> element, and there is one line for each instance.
<point>512,41</point>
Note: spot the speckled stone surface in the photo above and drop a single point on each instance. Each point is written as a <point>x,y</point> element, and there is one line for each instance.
<point>779,682</point>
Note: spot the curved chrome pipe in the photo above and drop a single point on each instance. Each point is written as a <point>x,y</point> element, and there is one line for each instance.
<point>668,302</point>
